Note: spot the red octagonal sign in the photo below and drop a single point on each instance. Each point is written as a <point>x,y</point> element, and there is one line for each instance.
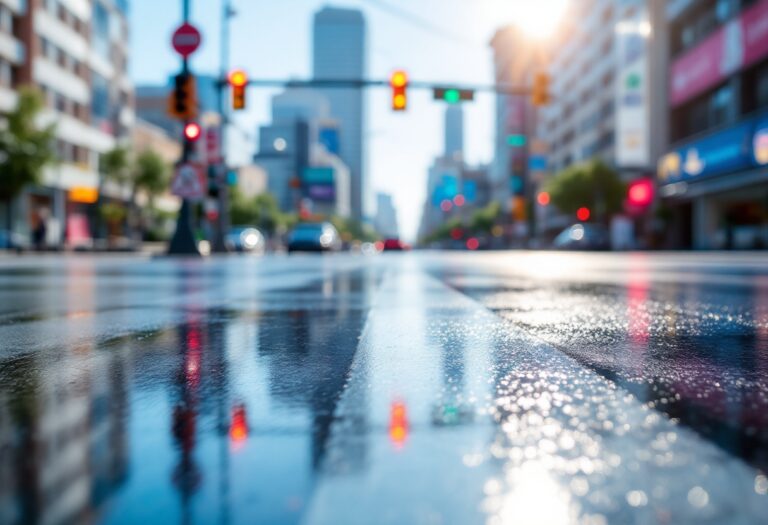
<point>186,40</point>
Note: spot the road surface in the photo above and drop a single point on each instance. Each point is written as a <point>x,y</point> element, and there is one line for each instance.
<point>531,388</point>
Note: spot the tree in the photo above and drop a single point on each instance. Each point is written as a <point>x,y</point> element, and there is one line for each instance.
<point>25,148</point>
<point>150,175</point>
<point>593,185</point>
<point>261,211</point>
<point>114,166</point>
<point>484,219</point>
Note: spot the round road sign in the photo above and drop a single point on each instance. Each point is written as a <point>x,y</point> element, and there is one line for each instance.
<point>186,40</point>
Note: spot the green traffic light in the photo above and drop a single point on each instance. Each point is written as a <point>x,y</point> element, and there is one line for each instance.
<point>452,96</point>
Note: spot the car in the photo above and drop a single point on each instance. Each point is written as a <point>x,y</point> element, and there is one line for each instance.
<point>583,237</point>
<point>11,241</point>
<point>394,245</point>
<point>314,237</point>
<point>245,239</point>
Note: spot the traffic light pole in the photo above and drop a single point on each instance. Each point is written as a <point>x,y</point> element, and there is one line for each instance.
<point>183,241</point>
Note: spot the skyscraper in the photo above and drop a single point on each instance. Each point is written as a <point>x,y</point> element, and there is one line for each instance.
<point>454,131</point>
<point>339,52</point>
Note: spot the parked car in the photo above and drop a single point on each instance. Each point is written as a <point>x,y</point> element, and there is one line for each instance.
<point>394,245</point>
<point>11,241</point>
<point>583,237</point>
<point>314,237</point>
<point>245,239</point>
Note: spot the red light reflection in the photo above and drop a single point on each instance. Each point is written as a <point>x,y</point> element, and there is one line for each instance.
<point>398,423</point>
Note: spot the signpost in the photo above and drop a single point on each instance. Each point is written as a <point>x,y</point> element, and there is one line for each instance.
<point>189,181</point>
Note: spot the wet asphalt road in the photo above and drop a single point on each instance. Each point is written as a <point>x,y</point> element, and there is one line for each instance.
<point>417,388</point>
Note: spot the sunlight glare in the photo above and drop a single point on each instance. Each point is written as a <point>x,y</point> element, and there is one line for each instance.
<point>538,19</point>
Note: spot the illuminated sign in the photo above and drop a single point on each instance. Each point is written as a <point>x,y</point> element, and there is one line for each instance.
<point>84,194</point>
<point>724,152</point>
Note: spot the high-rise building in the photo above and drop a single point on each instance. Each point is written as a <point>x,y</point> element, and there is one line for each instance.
<point>340,52</point>
<point>386,216</point>
<point>76,53</point>
<point>600,88</point>
<point>298,150</point>
<point>454,131</point>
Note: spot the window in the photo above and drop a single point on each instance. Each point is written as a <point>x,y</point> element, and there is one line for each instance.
<point>100,35</point>
<point>6,20</point>
<point>6,73</point>
<point>100,100</point>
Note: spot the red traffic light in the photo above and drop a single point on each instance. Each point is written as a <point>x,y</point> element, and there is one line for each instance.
<point>398,423</point>
<point>238,428</point>
<point>583,214</point>
<point>192,131</point>
<point>640,193</point>
<point>543,198</point>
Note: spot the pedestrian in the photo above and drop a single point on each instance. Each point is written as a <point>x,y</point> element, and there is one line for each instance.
<point>40,231</point>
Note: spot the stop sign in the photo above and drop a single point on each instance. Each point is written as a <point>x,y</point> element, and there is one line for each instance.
<point>186,39</point>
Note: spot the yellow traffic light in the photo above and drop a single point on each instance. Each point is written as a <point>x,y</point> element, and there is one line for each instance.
<point>540,95</point>
<point>182,103</point>
<point>238,79</point>
<point>399,83</point>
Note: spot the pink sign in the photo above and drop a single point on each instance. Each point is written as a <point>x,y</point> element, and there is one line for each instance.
<point>737,44</point>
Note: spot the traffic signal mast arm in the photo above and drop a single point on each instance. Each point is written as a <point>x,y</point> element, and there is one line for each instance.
<point>501,89</point>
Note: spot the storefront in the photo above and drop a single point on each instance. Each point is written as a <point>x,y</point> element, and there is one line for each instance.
<point>81,216</point>
<point>715,189</point>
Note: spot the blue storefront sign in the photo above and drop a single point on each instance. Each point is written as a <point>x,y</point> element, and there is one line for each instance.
<point>723,152</point>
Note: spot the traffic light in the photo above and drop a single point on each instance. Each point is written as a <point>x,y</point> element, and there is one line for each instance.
<point>453,95</point>
<point>399,83</point>
<point>238,79</point>
<point>192,131</point>
<point>583,214</point>
<point>540,93</point>
<point>640,193</point>
<point>182,103</point>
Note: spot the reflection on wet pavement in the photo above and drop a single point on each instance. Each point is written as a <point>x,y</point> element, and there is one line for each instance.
<point>408,389</point>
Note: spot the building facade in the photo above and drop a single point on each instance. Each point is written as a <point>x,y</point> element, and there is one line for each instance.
<point>713,179</point>
<point>76,53</point>
<point>340,52</point>
<point>299,151</point>
<point>386,216</point>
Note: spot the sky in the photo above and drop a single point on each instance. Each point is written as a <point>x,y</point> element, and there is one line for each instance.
<point>444,41</point>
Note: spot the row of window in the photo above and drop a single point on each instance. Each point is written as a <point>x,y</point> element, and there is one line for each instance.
<point>737,97</point>
<point>72,154</point>
<point>701,20</point>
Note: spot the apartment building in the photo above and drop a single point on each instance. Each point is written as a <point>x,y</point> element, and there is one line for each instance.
<point>76,53</point>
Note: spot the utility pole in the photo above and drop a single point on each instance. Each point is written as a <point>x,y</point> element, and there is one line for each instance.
<point>222,223</point>
<point>183,241</point>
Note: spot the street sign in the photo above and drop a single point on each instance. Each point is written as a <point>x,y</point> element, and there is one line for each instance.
<point>212,145</point>
<point>186,39</point>
<point>189,181</point>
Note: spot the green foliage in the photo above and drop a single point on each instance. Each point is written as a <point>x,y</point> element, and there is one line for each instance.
<point>261,211</point>
<point>353,230</point>
<point>115,165</point>
<point>593,184</point>
<point>25,149</point>
<point>481,222</point>
<point>150,173</point>
<point>113,213</point>
<point>484,219</point>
